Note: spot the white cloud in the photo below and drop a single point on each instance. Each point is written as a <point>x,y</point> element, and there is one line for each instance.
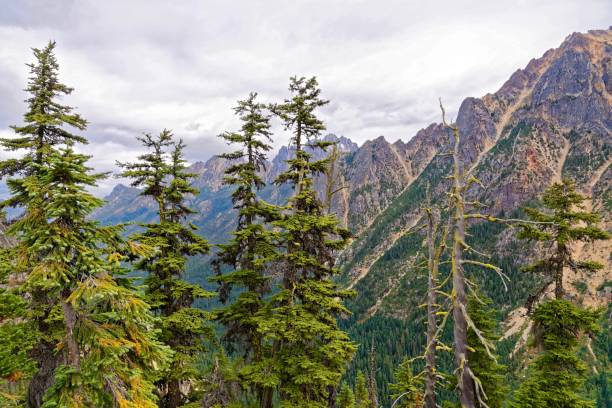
<point>143,65</point>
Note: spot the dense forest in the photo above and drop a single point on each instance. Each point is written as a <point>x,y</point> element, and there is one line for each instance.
<point>96,315</point>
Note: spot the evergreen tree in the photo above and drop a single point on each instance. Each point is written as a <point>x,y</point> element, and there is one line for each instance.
<point>93,338</point>
<point>556,376</point>
<point>45,120</point>
<point>362,398</point>
<point>484,362</point>
<point>249,252</point>
<point>407,389</point>
<point>346,398</point>
<point>311,351</point>
<point>102,327</point>
<point>563,222</point>
<point>44,129</point>
<point>163,175</point>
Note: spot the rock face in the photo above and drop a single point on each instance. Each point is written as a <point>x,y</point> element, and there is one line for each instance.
<point>548,121</point>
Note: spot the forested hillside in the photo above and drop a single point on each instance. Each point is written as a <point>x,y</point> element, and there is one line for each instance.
<point>469,266</point>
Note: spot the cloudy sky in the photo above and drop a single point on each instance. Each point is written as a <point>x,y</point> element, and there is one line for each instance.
<point>144,65</point>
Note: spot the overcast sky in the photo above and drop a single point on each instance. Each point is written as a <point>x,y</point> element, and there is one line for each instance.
<point>142,65</point>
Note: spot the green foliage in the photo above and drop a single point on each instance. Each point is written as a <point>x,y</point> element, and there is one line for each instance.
<point>249,253</point>
<point>45,119</point>
<point>346,397</point>
<point>221,385</point>
<point>362,398</point>
<point>566,221</point>
<point>94,333</point>
<point>599,384</point>
<point>483,362</point>
<point>162,174</point>
<point>407,389</point>
<point>18,335</point>
<point>556,376</point>
<point>312,352</point>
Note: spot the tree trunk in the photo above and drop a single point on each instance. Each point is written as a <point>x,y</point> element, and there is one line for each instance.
<point>47,361</point>
<point>559,291</point>
<point>430,351</point>
<point>332,396</point>
<point>174,397</point>
<point>43,353</point>
<point>73,358</point>
<point>464,380</point>
<point>267,396</point>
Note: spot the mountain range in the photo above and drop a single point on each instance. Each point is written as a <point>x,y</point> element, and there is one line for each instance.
<point>549,120</point>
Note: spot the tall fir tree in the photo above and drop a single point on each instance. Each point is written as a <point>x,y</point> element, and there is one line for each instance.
<point>484,363</point>
<point>311,351</point>
<point>556,376</point>
<point>45,127</point>
<point>563,222</point>
<point>250,251</point>
<point>94,343</point>
<point>162,174</point>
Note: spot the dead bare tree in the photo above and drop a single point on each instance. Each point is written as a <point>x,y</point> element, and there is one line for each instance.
<point>333,178</point>
<point>433,308</point>
<point>470,387</point>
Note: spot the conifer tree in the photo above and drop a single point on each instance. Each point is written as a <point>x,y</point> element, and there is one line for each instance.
<point>563,222</point>
<point>362,398</point>
<point>45,120</point>
<point>407,389</point>
<point>45,127</point>
<point>94,339</point>
<point>556,376</point>
<point>249,252</point>
<point>162,174</point>
<point>346,398</point>
<point>311,351</point>
<point>483,362</point>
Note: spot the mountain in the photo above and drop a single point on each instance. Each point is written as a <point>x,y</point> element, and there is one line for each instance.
<point>373,175</point>
<point>550,120</point>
